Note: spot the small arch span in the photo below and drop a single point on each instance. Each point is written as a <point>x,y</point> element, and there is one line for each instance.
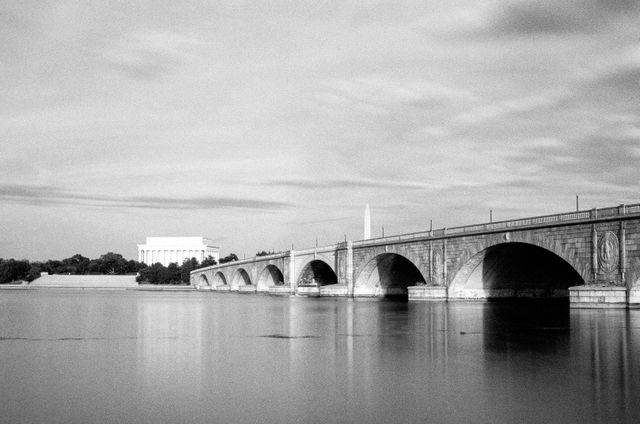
<point>514,270</point>
<point>387,274</point>
<point>241,278</point>
<point>202,281</point>
<point>219,279</point>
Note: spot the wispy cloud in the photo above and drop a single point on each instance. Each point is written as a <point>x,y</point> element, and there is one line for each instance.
<point>379,93</point>
<point>504,108</point>
<point>603,158</point>
<point>43,195</point>
<point>150,54</point>
<point>349,184</point>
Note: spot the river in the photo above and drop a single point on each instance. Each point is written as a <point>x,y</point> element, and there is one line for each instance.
<point>192,357</point>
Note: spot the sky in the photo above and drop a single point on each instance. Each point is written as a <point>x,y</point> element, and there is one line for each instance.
<point>270,124</point>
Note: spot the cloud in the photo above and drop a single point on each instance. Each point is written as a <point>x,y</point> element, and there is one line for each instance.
<point>525,17</point>
<point>149,55</point>
<point>349,184</point>
<point>605,158</point>
<point>502,109</point>
<point>383,94</point>
<point>320,221</point>
<point>45,195</point>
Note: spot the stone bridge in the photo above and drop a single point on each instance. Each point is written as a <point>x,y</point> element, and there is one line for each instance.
<point>592,257</point>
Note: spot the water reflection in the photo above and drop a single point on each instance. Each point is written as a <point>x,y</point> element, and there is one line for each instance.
<point>606,344</point>
<point>169,335</point>
<point>207,357</point>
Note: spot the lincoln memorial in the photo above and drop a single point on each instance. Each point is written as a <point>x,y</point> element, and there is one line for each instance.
<point>176,249</point>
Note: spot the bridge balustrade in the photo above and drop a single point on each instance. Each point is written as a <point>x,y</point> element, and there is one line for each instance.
<point>603,213</point>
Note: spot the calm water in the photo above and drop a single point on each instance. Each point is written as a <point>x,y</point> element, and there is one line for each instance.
<point>127,357</point>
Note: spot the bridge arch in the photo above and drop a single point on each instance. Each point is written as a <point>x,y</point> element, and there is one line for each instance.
<point>387,274</point>
<point>270,276</point>
<point>316,272</point>
<point>202,281</point>
<point>219,279</point>
<point>514,269</point>
<point>240,278</point>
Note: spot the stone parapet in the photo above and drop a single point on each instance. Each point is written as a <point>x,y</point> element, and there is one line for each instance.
<point>592,296</point>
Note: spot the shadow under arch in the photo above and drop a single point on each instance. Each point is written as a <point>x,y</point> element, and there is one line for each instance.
<point>514,270</point>
<point>219,279</point>
<point>317,273</point>
<point>270,276</point>
<point>240,278</point>
<point>387,274</point>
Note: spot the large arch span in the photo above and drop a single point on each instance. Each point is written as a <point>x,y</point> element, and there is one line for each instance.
<point>317,273</point>
<point>387,274</point>
<point>514,270</point>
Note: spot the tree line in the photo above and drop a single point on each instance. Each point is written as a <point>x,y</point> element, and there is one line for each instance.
<point>110,263</point>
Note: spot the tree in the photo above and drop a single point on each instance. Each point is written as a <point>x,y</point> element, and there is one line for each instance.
<point>111,263</point>
<point>35,270</point>
<point>208,261</point>
<point>144,275</point>
<point>77,264</point>
<point>173,273</point>
<point>12,270</point>
<point>263,253</point>
<point>185,270</point>
<point>54,266</point>
<point>229,258</point>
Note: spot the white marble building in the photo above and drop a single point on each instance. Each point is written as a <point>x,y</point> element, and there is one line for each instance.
<point>176,249</point>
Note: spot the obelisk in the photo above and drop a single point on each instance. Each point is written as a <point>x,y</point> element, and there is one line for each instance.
<point>367,223</point>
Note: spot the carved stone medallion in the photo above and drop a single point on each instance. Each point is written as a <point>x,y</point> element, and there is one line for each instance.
<point>608,252</point>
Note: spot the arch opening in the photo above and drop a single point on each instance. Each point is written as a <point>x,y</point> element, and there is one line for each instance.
<point>202,281</point>
<point>270,276</point>
<point>317,273</point>
<point>241,278</point>
<point>515,270</point>
<point>387,274</point>
<point>219,279</point>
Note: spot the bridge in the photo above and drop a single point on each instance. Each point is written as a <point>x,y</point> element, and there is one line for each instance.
<point>591,257</point>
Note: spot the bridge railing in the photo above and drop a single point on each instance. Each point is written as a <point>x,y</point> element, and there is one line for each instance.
<point>318,249</point>
<point>513,223</point>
